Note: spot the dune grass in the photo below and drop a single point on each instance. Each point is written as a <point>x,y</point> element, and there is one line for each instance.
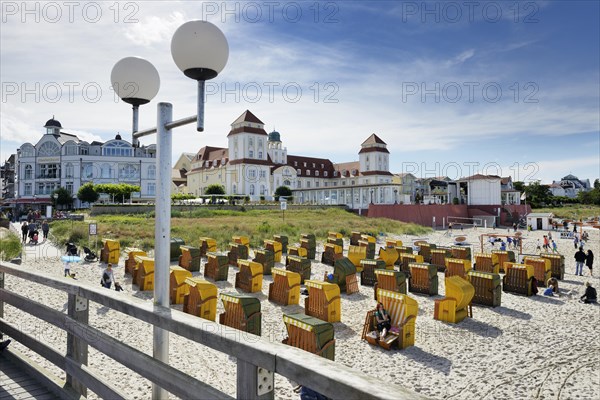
<point>572,211</point>
<point>138,230</point>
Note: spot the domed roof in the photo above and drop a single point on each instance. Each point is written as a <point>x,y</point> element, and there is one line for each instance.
<point>118,137</point>
<point>52,122</point>
<point>274,137</point>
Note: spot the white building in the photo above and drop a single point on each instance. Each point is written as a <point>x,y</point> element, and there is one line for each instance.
<point>477,190</point>
<point>540,221</point>
<point>255,164</point>
<point>60,159</point>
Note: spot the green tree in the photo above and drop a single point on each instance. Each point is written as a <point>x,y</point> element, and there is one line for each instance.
<point>520,186</point>
<point>538,195</point>
<point>282,191</point>
<point>118,191</point>
<point>87,193</point>
<point>214,189</point>
<point>597,183</point>
<point>176,197</point>
<point>64,198</point>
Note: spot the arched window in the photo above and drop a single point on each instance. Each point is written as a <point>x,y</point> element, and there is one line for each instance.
<point>260,154</point>
<point>69,170</point>
<point>234,188</point>
<point>152,172</point>
<point>70,149</point>
<point>252,190</point>
<point>28,172</point>
<point>128,171</point>
<point>263,190</point>
<point>287,183</point>
<point>251,153</point>
<point>117,148</point>
<point>49,149</point>
<point>27,151</point>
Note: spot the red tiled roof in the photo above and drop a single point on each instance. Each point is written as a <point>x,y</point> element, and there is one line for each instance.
<point>479,177</point>
<point>247,129</point>
<point>297,162</point>
<point>247,116</point>
<point>372,149</point>
<point>373,139</point>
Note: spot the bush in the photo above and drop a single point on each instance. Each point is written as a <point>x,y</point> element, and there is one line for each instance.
<point>10,245</point>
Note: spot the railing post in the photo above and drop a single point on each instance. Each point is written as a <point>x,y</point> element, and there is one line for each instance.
<point>254,383</point>
<point>77,349</point>
<point>1,302</point>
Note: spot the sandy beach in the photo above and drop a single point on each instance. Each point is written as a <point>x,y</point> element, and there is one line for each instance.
<point>529,348</point>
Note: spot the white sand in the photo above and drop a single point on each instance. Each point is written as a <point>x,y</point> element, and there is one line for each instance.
<point>530,347</point>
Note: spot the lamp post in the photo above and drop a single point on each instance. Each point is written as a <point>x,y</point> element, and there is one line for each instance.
<point>200,50</point>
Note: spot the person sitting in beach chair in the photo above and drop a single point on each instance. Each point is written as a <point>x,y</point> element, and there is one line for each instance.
<point>383,320</point>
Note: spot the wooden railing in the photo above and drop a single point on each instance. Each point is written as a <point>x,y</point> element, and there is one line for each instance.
<point>257,359</point>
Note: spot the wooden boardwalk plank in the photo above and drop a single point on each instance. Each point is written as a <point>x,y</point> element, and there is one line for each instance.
<point>18,385</point>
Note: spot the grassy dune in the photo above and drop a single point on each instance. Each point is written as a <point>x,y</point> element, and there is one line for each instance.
<point>138,230</point>
<point>572,211</point>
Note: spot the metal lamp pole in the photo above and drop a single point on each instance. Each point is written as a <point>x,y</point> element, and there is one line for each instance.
<point>201,51</point>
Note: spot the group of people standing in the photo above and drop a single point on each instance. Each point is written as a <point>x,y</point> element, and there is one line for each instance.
<point>31,230</point>
<point>580,258</point>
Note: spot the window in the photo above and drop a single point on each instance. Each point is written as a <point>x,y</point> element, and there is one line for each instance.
<point>317,184</point>
<point>263,174</point>
<point>295,163</point>
<point>322,166</point>
<point>298,172</point>
<point>305,163</point>
<point>49,149</point>
<point>252,173</point>
<point>335,174</point>
<point>251,142</point>
<point>308,184</point>
<point>252,190</point>
<point>28,189</point>
<point>234,189</point>
<point>128,172</point>
<point>106,171</point>
<point>71,150</point>
<point>260,154</point>
<point>88,171</point>
<point>263,190</point>
<point>287,183</point>
<point>308,172</point>
<point>251,153</point>
<point>83,150</point>
<point>260,143</point>
<point>69,170</point>
<point>27,151</point>
<point>314,165</point>
<point>28,172</point>
<point>69,187</point>
<point>325,174</point>
<point>151,188</point>
<point>299,184</point>
<point>152,172</point>
<point>49,171</point>
<point>117,148</point>
<point>316,173</point>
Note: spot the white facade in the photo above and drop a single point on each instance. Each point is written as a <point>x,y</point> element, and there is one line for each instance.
<point>540,221</point>
<point>484,190</point>
<point>60,159</point>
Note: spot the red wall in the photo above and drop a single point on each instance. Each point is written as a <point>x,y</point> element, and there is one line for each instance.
<point>423,214</point>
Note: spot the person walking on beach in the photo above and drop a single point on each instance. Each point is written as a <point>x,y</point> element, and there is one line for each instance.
<point>554,247</point>
<point>45,229</point>
<point>24,230</point>
<point>590,295</point>
<point>589,261</point>
<point>575,242</point>
<point>107,277</point>
<point>579,260</point>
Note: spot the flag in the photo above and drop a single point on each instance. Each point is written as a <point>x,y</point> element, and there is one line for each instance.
<point>523,196</point>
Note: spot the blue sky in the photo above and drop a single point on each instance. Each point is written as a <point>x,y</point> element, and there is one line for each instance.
<point>453,87</point>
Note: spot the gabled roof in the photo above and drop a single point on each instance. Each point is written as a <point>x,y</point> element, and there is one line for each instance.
<point>247,116</point>
<point>373,139</point>
<point>506,180</point>
<point>189,156</point>
<point>480,177</point>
